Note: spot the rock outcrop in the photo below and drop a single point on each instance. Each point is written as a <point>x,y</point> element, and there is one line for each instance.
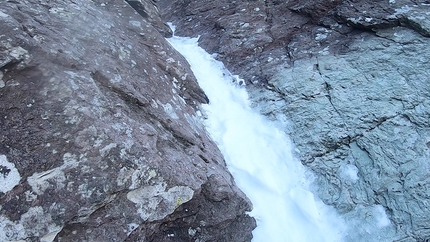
<point>349,82</point>
<point>100,134</point>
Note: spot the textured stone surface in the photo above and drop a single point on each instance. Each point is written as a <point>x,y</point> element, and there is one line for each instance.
<point>349,82</point>
<point>355,110</point>
<point>100,139</point>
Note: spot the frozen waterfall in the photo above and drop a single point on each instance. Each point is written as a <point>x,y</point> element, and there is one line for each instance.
<point>260,157</point>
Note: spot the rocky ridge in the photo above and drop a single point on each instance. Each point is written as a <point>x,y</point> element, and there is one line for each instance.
<point>349,82</point>
<point>101,138</point>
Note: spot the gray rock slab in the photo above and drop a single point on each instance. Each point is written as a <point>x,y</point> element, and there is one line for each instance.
<point>100,137</point>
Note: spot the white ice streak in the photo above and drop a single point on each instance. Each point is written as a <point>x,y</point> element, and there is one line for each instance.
<point>260,158</point>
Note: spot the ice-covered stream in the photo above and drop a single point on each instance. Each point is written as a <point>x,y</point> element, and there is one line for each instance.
<point>260,157</point>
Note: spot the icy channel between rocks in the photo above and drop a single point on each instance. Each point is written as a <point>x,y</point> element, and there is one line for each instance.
<point>259,156</point>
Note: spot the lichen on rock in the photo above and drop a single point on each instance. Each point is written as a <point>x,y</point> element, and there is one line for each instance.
<point>101,138</point>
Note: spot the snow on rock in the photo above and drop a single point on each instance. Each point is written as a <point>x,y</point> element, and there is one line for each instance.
<point>349,172</point>
<point>9,175</point>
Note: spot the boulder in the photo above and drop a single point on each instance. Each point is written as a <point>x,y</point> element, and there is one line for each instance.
<point>101,138</point>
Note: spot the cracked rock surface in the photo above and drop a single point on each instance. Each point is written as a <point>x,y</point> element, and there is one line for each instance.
<point>100,135</point>
<point>349,82</point>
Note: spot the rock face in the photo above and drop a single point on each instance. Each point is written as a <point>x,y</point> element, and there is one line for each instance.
<point>349,82</point>
<point>100,134</point>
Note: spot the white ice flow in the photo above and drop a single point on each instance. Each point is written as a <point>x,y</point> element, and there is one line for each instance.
<point>260,158</point>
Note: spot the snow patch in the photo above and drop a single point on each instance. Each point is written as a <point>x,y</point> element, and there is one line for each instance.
<point>170,110</point>
<point>381,217</point>
<point>9,175</point>
<point>402,10</point>
<point>171,26</point>
<point>56,10</point>
<point>349,172</point>
<point>355,20</point>
<point>51,236</point>
<point>131,228</point>
<point>369,223</point>
<point>137,24</point>
<point>3,15</point>
<point>2,83</point>
<point>321,36</point>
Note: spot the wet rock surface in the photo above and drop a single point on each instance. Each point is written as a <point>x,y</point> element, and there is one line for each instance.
<point>349,82</point>
<point>100,134</point>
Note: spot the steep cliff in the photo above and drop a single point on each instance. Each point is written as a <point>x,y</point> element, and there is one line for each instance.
<point>349,82</point>
<point>100,134</point>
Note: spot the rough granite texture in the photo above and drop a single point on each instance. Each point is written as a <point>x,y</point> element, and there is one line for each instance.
<point>100,135</point>
<point>349,82</point>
